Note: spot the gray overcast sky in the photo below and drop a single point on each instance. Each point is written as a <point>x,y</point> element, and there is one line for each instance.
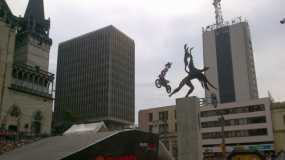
<point>161,27</point>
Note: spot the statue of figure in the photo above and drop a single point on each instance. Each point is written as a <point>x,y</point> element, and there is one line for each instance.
<point>193,73</point>
<point>161,81</point>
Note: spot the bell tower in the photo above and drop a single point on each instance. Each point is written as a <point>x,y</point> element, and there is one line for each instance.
<point>33,42</point>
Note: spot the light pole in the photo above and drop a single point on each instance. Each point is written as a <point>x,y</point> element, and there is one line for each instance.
<point>214,101</point>
<point>223,145</point>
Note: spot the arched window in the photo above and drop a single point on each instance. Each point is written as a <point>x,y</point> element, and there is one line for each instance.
<point>46,83</point>
<point>25,76</point>
<point>36,80</point>
<point>36,123</point>
<point>14,73</point>
<point>31,78</point>
<point>41,81</point>
<point>20,75</point>
<point>15,111</point>
<point>38,116</point>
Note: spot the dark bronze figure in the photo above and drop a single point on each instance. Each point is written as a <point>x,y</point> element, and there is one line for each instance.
<point>161,81</point>
<point>193,73</point>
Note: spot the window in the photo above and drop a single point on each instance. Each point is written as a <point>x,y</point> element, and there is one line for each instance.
<point>163,128</point>
<point>240,133</point>
<point>150,117</point>
<point>163,116</point>
<point>284,119</point>
<point>256,120</point>
<point>150,127</point>
<point>238,110</point>
<point>257,132</point>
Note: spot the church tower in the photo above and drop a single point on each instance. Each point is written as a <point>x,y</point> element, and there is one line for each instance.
<point>33,42</point>
<point>25,85</point>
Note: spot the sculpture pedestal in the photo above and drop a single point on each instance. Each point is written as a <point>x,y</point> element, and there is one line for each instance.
<point>188,123</point>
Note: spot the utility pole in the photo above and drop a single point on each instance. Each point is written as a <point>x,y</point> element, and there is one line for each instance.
<point>223,145</point>
<point>214,102</point>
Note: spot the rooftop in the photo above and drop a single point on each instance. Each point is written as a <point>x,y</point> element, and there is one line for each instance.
<point>225,24</point>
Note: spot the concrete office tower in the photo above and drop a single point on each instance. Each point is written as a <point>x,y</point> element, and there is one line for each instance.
<point>228,52</point>
<point>95,78</point>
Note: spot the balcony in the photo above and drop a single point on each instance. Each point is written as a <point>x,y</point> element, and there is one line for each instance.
<point>32,80</point>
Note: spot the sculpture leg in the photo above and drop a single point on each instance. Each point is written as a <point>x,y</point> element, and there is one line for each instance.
<point>205,79</point>
<point>182,83</point>
<point>191,88</point>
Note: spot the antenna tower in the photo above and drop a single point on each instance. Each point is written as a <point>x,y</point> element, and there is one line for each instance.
<point>218,12</point>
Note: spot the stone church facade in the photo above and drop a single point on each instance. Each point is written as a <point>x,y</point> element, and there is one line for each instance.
<point>25,83</point>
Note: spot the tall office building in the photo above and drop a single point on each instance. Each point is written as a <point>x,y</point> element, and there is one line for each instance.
<point>228,52</point>
<point>247,119</point>
<point>95,78</point>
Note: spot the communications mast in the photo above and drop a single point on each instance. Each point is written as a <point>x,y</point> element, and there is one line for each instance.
<point>218,12</point>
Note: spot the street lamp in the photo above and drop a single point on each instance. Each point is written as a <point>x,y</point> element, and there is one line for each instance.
<point>223,145</point>
<point>214,102</point>
<point>282,21</point>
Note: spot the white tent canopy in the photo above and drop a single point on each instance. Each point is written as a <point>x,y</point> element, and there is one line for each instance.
<point>95,127</point>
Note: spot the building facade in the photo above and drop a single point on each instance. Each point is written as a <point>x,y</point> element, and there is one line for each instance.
<point>26,88</point>
<point>95,78</point>
<point>247,125</point>
<point>278,119</point>
<point>161,120</point>
<point>229,54</point>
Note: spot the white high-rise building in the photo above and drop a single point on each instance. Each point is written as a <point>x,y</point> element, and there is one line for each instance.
<point>228,52</point>
<point>227,49</point>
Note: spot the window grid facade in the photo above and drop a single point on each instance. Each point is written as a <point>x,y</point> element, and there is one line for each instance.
<point>96,77</point>
<point>235,122</point>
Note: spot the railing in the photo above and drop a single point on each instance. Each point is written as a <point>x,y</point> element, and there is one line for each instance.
<point>31,88</point>
<point>224,24</point>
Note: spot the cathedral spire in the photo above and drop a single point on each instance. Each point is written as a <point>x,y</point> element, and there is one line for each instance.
<point>35,11</point>
<point>34,22</point>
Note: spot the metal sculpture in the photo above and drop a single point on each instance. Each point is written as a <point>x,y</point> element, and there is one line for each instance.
<point>161,81</point>
<point>193,73</point>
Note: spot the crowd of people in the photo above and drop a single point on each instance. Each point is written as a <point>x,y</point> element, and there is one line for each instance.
<point>276,156</point>
<point>11,140</point>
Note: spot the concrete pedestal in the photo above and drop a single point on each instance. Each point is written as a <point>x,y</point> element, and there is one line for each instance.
<point>188,123</point>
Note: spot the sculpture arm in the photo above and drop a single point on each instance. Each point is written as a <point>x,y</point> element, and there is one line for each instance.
<point>204,69</point>
<point>191,58</point>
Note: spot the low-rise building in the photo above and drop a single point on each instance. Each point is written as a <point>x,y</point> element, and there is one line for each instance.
<point>278,120</point>
<point>247,125</point>
<point>161,120</point>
